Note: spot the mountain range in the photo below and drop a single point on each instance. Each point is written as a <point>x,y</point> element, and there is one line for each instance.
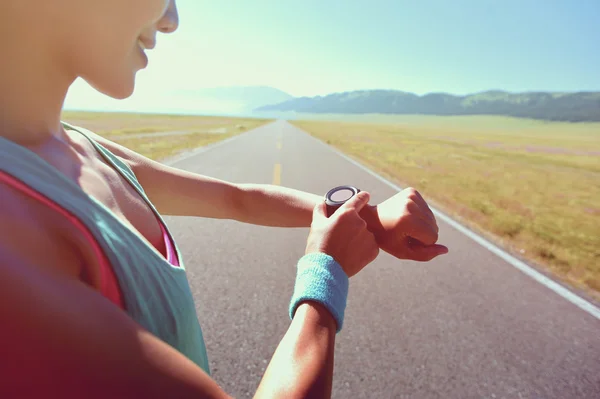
<point>269,102</point>
<point>573,107</point>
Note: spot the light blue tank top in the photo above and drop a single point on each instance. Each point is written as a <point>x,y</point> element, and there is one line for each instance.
<point>156,294</point>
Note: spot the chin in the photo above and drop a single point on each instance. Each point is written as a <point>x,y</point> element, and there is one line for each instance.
<point>119,89</point>
<point>120,95</point>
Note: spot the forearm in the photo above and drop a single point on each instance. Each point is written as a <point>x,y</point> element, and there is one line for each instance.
<point>270,205</point>
<point>302,365</point>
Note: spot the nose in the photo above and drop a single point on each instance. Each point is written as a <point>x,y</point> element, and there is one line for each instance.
<point>170,20</point>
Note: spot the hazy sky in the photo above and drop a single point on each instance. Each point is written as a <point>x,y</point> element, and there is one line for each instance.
<point>308,47</point>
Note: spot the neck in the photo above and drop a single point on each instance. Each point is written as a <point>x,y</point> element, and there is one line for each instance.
<point>33,89</point>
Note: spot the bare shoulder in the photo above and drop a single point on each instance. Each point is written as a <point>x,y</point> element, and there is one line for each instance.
<point>37,234</point>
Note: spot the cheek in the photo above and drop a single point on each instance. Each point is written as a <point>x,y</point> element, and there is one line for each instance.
<point>105,53</point>
<point>109,65</point>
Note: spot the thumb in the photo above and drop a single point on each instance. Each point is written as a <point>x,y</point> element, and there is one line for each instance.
<point>358,201</point>
<point>425,253</point>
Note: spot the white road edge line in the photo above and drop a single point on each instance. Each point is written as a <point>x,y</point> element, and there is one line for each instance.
<point>528,270</point>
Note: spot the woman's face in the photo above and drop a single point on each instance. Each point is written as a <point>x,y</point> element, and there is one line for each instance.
<point>104,41</point>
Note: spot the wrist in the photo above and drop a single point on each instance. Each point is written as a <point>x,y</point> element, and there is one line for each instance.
<point>321,279</point>
<point>316,314</point>
<point>370,215</point>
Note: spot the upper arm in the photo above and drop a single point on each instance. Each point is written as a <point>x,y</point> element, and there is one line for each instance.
<point>37,234</point>
<point>178,192</point>
<point>68,341</point>
<point>60,335</point>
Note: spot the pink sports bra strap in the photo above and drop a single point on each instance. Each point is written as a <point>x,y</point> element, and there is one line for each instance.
<point>109,285</point>
<point>171,252</point>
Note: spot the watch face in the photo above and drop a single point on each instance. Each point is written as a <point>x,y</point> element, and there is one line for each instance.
<point>337,196</point>
<point>342,195</point>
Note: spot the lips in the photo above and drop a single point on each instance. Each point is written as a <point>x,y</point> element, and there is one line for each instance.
<point>146,44</point>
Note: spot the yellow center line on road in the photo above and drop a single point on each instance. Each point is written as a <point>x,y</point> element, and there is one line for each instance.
<point>277,169</point>
<point>277,174</point>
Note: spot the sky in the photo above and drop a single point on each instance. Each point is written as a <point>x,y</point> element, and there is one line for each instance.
<point>309,48</point>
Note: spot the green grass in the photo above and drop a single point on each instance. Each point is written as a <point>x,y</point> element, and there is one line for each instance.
<point>533,186</point>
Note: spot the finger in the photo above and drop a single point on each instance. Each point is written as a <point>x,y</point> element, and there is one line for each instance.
<point>416,210</point>
<point>374,247</point>
<point>320,210</point>
<point>424,206</point>
<point>425,253</point>
<point>427,220</point>
<point>357,202</point>
<point>420,230</point>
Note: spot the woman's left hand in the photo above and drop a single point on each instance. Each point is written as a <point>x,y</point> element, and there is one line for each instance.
<point>406,228</point>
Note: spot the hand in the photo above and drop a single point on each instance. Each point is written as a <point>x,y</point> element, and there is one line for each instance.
<point>407,228</point>
<point>344,235</point>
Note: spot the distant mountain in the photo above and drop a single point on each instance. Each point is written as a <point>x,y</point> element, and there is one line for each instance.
<point>575,107</point>
<point>232,99</point>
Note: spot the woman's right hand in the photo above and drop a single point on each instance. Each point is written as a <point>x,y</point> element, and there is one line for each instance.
<point>302,365</point>
<point>343,235</point>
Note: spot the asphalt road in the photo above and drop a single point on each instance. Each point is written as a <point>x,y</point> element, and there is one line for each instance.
<point>466,325</point>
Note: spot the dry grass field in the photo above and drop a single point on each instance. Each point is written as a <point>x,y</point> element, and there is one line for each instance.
<point>532,186</point>
<point>161,136</point>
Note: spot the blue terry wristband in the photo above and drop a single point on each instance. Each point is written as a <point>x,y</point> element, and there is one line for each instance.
<point>321,279</point>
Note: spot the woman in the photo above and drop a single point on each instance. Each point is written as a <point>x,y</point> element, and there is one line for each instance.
<point>93,292</point>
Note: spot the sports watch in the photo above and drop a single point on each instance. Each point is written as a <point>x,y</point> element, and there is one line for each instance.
<point>337,196</point>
